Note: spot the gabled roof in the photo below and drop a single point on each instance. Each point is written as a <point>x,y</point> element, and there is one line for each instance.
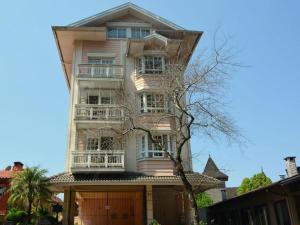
<point>212,170</point>
<point>124,9</point>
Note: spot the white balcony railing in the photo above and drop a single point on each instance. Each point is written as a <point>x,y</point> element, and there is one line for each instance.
<point>100,71</point>
<point>99,159</point>
<point>99,112</point>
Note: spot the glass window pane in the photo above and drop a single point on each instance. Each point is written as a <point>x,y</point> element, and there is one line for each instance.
<point>93,100</point>
<point>122,33</point>
<point>112,32</point>
<point>282,213</point>
<point>135,33</point>
<point>92,144</point>
<point>106,143</point>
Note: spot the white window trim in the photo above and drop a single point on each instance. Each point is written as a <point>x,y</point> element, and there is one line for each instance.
<point>145,108</point>
<point>101,55</point>
<point>142,71</point>
<point>147,150</point>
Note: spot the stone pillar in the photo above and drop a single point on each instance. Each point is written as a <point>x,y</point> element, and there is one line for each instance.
<point>69,207</point>
<point>149,203</point>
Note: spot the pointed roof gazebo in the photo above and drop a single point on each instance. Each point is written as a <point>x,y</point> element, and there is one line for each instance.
<point>212,170</point>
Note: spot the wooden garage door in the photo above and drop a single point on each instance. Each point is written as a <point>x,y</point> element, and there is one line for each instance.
<point>110,208</point>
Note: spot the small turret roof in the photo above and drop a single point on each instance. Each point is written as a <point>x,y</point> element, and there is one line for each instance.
<point>212,170</point>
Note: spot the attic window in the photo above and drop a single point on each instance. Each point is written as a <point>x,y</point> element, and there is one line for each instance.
<point>139,32</point>
<point>116,32</point>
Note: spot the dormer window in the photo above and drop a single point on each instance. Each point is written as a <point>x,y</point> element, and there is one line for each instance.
<point>151,64</point>
<point>117,32</point>
<point>128,32</point>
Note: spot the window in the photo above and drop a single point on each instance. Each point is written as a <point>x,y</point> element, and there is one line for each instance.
<point>117,32</point>
<point>282,213</point>
<point>261,215</point>
<point>247,217</point>
<point>97,96</point>
<point>99,68</point>
<point>92,144</point>
<point>151,64</point>
<point>143,147</point>
<point>106,143</point>
<point>154,149</point>
<point>2,191</point>
<point>93,99</point>
<point>106,100</point>
<point>154,103</point>
<point>139,32</point>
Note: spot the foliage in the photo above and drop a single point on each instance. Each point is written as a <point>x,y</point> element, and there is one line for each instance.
<point>257,181</point>
<point>154,222</point>
<point>29,189</point>
<point>16,215</point>
<point>202,222</point>
<point>203,200</point>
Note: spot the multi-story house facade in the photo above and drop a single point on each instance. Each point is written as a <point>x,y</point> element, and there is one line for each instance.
<point>112,60</point>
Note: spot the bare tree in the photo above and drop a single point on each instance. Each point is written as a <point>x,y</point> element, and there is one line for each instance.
<point>192,97</point>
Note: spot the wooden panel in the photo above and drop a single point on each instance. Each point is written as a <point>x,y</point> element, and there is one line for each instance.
<point>167,206</point>
<point>156,167</point>
<point>109,46</point>
<point>164,123</point>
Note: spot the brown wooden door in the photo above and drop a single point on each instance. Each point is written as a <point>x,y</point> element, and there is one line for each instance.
<point>121,208</point>
<point>111,208</point>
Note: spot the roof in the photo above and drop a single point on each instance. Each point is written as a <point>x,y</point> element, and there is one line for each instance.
<point>282,182</point>
<point>201,181</point>
<point>126,8</point>
<point>212,170</point>
<point>7,174</point>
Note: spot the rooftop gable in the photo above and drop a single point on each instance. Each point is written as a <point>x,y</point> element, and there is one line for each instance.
<point>125,9</point>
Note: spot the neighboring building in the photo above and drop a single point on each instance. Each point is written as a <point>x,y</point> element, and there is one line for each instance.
<point>110,59</point>
<point>220,192</point>
<point>5,177</point>
<point>275,204</point>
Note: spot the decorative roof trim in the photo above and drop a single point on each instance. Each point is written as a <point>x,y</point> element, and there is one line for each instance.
<point>125,6</point>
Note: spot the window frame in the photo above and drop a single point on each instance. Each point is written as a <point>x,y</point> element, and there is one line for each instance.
<point>153,103</point>
<point>148,149</point>
<point>281,211</point>
<point>142,69</point>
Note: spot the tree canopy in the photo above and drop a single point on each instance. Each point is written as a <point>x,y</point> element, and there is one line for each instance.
<point>29,189</point>
<point>256,181</point>
<point>203,200</point>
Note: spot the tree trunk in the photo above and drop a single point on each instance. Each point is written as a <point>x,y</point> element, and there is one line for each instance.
<point>29,211</point>
<point>189,189</point>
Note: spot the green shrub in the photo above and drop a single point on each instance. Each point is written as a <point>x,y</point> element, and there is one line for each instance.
<point>16,215</point>
<point>154,222</point>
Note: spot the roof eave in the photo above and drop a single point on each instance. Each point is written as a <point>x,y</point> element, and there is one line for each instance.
<point>124,7</point>
<point>54,28</point>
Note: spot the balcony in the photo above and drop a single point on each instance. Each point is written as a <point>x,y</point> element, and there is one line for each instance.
<point>98,161</point>
<point>101,75</point>
<point>100,113</point>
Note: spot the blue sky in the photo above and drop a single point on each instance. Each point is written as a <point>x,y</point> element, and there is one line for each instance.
<point>264,98</point>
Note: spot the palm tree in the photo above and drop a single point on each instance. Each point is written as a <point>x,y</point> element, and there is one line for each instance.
<point>29,189</point>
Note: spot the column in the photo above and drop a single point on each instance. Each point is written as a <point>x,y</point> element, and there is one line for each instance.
<point>69,207</point>
<point>149,203</point>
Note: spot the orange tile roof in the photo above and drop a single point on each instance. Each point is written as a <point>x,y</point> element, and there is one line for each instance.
<point>6,174</point>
